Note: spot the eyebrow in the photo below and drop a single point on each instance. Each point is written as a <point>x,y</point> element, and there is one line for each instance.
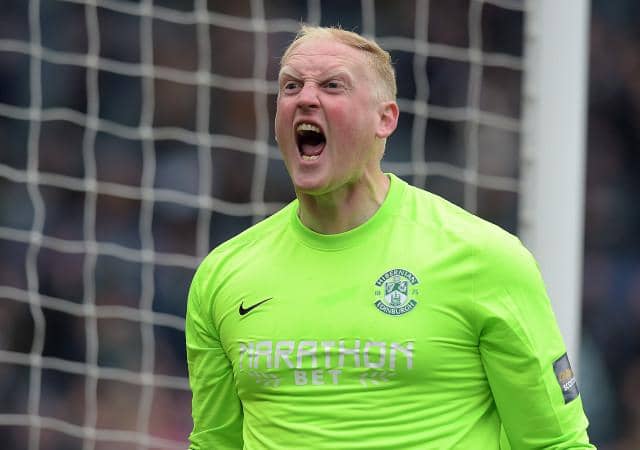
<point>285,72</point>
<point>292,73</point>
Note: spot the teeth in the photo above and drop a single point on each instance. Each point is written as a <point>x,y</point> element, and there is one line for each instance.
<point>310,158</point>
<point>307,127</point>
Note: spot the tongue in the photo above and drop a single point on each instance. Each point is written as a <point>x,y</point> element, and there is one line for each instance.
<point>312,149</point>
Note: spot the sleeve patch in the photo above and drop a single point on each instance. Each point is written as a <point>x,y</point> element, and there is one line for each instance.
<point>566,378</point>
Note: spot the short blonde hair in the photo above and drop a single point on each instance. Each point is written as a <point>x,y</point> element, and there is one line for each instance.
<point>379,58</point>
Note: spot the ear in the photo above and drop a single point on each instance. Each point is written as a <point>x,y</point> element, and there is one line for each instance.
<point>388,113</point>
<point>275,124</point>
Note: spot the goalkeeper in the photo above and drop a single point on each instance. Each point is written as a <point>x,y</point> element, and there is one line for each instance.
<point>369,314</point>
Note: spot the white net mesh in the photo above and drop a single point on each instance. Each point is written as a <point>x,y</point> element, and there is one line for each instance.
<point>138,135</point>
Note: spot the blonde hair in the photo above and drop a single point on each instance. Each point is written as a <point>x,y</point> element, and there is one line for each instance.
<point>379,58</point>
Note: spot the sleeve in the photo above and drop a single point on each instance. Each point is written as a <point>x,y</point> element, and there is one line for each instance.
<point>523,353</point>
<point>216,408</point>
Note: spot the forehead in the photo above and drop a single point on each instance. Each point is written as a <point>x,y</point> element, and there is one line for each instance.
<point>318,55</point>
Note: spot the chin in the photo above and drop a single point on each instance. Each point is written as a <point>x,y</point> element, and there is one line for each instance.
<point>310,188</point>
<point>310,184</point>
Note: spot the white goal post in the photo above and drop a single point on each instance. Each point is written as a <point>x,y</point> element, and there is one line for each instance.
<point>554,153</point>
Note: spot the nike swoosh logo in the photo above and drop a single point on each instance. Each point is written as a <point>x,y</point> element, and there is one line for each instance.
<point>242,310</point>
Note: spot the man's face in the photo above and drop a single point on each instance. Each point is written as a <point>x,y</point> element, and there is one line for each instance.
<point>327,116</point>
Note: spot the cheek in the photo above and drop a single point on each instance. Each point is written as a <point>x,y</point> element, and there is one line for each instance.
<point>280,119</point>
<point>352,124</point>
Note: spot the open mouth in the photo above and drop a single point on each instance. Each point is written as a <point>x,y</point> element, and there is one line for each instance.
<point>310,140</point>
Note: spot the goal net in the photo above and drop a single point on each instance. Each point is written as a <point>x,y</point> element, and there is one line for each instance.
<point>137,135</point>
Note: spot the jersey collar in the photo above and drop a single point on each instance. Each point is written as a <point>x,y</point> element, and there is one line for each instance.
<point>356,236</point>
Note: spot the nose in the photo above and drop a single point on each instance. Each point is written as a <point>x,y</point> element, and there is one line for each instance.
<point>308,96</point>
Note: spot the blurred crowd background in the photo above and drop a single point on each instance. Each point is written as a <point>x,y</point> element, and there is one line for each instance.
<point>125,220</point>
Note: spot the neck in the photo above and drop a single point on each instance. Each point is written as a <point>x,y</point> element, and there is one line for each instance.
<point>345,208</point>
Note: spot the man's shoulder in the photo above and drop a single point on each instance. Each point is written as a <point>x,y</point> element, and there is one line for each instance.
<point>495,250</point>
<point>496,257</point>
<point>254,240</point>
<point>441,216</point>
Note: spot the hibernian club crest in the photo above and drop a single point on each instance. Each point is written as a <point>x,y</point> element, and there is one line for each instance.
<point>394,292</point>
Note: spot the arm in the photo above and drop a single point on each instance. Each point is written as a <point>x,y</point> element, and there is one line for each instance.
<point>524,355</point>
<point>216,408</point>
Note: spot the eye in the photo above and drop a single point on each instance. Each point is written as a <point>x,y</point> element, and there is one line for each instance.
<point>333,84</point>
<point>290,86</point>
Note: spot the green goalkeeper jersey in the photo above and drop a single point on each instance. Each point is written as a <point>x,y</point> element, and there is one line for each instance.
<point>423,328</point>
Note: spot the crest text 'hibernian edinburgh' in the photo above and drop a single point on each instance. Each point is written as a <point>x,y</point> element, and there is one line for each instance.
<point>394,291</point>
